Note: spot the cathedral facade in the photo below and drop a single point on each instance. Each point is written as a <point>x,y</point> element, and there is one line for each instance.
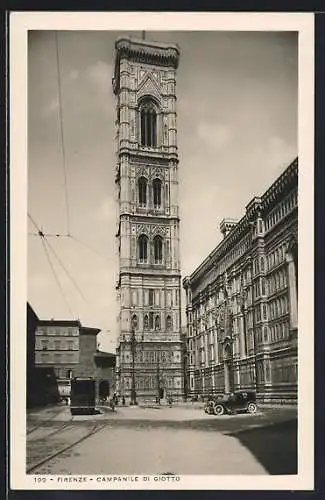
<point>149,352</point>
<point>242,318</point>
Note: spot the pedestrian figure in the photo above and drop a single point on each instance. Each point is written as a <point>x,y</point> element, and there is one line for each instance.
<point>123,401</point>
<point>170,401</point>
<point>112,403</point>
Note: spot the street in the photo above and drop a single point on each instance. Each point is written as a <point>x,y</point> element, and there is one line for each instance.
<point>179,440</point>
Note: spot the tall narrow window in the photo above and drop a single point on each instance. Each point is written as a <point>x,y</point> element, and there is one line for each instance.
<point>151,320</point>
<point>157,245</point>
<point>169,323</point>
<point>156,193</point>
<point>143,248</point>
<point>142,191</point>
<point>134,322</point>
<point>157,323</point>
<point>148,124</point>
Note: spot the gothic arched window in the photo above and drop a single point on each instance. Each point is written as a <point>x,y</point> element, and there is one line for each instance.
<point>142,190</point>
<point>157,248</point>
<point>143,248</point>
<point>148,124</point>
<point>157,323</point>
<point>134,322</point>
<point>146,322</point>
<point>156,185</point>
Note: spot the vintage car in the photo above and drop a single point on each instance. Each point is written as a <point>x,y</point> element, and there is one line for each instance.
<point>235,402</point>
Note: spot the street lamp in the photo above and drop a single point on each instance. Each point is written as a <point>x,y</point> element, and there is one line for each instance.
<point>158,379</point>
<point>243,298</point>
<point>133,343</point>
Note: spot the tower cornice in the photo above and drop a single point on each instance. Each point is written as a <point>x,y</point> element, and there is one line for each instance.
<point>144,51</point>
<point>145,154</point>
<point>150,218</point>
<point>148,51</point>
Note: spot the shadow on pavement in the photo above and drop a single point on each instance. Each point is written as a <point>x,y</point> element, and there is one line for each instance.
<point>274,446</point>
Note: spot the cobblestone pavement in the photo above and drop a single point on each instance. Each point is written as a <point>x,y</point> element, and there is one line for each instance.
<point>181,439</point>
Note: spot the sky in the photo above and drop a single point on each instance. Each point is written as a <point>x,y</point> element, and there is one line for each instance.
<point>237,131</point>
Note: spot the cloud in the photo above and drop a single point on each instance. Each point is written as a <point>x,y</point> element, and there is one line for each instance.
<point>280,154</point>
<point>100,74</point>
<point>73,75</point>
<point>107,210</point>
<point>215,135</point>
<point>51,108</point>
<point>39,281</point>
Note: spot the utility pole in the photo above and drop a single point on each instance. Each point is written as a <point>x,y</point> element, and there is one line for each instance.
<point>158,379</point>
<point>133,343</point>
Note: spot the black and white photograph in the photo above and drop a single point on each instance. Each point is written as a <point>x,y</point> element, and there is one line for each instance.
<point>162,225</point>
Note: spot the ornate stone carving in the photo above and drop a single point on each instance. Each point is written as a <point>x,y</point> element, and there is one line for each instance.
<point>143,172</point>
<point>155,53</point>
<point>151,230</point>
<point>148,87</point>
<point>158,172</point>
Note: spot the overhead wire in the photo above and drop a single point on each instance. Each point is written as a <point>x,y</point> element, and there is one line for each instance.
<point>46,244</point>
<point>88,247</point>
<point>39,232</point>
<point>44,240</point>
<point>56,277</point>
<point>65,269</point>
<point>49,235</point>
<point>61,132</point>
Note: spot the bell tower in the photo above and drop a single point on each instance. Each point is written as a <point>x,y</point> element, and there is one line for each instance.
<point>149,353</point>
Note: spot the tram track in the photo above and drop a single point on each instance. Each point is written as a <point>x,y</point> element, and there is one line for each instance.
<point>46,421</point>
<point>43,461</point>
<point>49,434</point>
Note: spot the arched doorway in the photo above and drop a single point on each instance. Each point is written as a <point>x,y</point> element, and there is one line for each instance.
<point>103,389</point>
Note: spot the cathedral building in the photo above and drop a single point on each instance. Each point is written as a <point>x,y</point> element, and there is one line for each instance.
<point>242,318</point>
<point>149,353</point>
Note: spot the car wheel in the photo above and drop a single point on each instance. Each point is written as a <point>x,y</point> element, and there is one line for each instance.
<point>252,408</point>
<point>218,410</point>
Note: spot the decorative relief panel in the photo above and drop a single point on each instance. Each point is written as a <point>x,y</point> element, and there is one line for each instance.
<point>157,172</point>
<point>143,172</point>
<point>141,74</point>
<point>149,87</point>
<point>151,229</point>
<point>161,230</point>
<point>150,172</point>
